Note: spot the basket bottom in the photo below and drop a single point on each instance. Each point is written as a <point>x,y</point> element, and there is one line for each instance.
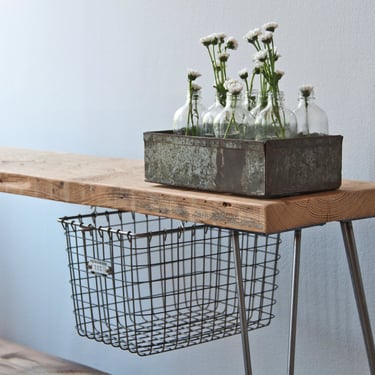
<point>175,330</point>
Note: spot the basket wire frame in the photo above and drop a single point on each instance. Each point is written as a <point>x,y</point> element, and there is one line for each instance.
<point>150,284</point>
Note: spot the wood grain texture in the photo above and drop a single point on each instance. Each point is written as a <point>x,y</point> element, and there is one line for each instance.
<point>17,359</point>
<point>119,183</point>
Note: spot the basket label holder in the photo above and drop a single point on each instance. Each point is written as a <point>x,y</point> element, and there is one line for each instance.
<point>99,267</point>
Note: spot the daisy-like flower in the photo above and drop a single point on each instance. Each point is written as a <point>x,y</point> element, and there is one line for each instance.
<point>259,64</point>
<point>223,56</point>
<point>260,56</point>
<point>258,67</point>
<point>195,88</point>
<point>231,43</point>
<point>233,86</point>
<point>220,37</point>
<point>206,40</point>
<point>215,39</point>
<point>243,73</point>
<point>306,90</point>
<point>266,37</point>
<point>279,74</point>
<point>270,26</point>
<point>252,35</point>
<point>193,74</point>
<point>276,54</point>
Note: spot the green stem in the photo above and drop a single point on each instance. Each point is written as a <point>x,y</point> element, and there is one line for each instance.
<point>250,89</point>
<point>190,126</point>
<point>307,115</point>
<point>232,121</point>
<point>213,63</point>
<point>219,74</point>
<point>278,121</point>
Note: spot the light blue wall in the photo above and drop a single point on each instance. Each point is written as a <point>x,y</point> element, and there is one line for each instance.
<point>91,76</point>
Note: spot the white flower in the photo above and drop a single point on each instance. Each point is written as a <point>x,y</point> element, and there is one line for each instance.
<point>233,86</point>
<point>266,37</point>
<point>252,35</point>
<point>232,43</point>
<point>223,56</point>
<point>260,56</point>
<point>276,54</point>
<point>207,40</point>
<point>258,67</point>
<point>279,74</point>
<point>193,74</point>
<point>306,90</point>
<point>195,87</point>
<point>213,38</point>
<point>243,73</point>
<point>270,26</point>
<point>220,37</point>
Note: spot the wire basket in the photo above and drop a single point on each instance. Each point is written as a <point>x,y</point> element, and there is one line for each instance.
<point>151,284</point>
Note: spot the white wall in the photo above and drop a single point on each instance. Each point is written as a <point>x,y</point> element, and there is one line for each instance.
<point>91,76</point>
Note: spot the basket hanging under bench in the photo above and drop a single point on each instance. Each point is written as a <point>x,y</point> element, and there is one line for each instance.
<point>150,284</point>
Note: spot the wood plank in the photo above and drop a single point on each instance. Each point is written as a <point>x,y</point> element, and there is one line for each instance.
<point>18,359</point>
<point>119,183</point>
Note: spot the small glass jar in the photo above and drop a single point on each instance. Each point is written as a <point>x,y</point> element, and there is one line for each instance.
<point>187,119</point>
<point>207,125</point>
<point>275,121</point>
<point>311,119</point>
<point>234,121</point>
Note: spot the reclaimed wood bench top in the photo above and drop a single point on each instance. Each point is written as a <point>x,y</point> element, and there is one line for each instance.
<point>17,359</point>
<point>119,183</point>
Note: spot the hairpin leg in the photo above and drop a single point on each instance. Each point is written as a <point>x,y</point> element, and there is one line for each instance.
<point>359,293</point>
<point>241,304</point>
<point>294,301</point>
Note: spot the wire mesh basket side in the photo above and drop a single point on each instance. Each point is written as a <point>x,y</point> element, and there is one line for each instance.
<point>151,284</point>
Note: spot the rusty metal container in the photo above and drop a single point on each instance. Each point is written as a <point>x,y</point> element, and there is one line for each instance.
<point>268,168</point>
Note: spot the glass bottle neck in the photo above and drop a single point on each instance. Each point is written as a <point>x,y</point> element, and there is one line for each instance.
<point>306,95</point>
<point>193,97</point>
<point>276,99</point>
<point>305,101</point>
<point>252,95</point>
<point>233,100</point>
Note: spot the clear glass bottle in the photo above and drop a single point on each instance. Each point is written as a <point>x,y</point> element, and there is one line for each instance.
<point>234,121</point>
<point>207,128</point>
<point>274,120</point>
<point>187,119</point>
<point>311,119</point>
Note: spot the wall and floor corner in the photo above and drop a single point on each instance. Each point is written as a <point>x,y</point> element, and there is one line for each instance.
<point>92,76</point>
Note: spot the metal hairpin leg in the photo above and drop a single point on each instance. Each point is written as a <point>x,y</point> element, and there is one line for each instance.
<point>294,301</point>
<point>359,293</point>
<point>241,304</point>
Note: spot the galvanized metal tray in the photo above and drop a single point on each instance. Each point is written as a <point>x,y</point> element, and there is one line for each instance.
<point>270,168</point>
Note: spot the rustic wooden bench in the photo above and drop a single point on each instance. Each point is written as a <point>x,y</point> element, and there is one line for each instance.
<point>18,359</point>
<point>119,183</point>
